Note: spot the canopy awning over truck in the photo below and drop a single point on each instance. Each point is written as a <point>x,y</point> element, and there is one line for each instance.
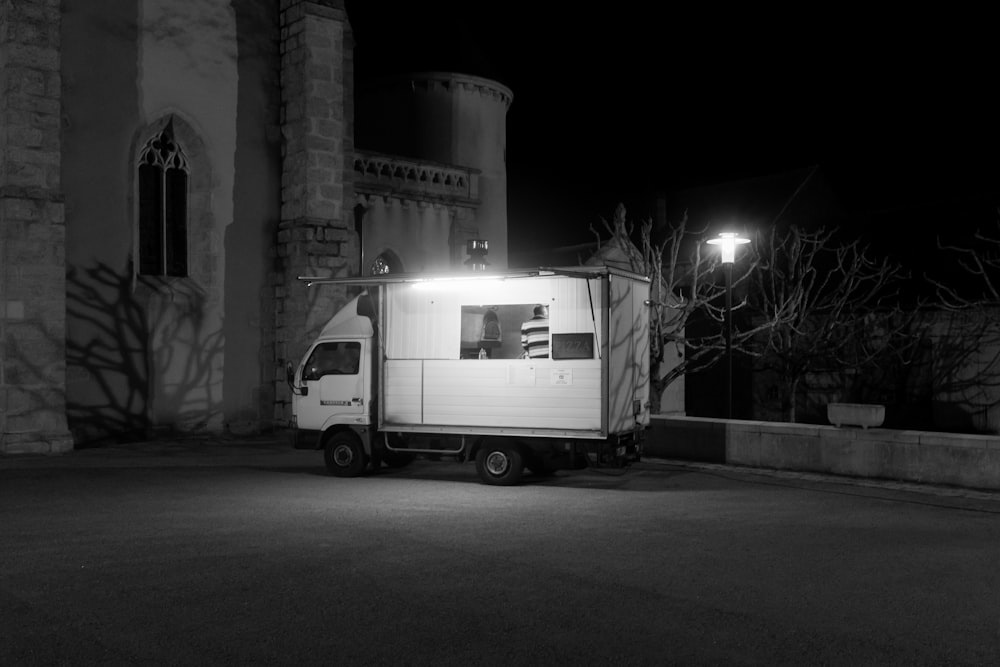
<point>390,278</point>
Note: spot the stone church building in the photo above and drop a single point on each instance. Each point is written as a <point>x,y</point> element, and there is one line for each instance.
<point>169,168</point>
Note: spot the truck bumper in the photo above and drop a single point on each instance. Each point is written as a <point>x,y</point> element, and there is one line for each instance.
<point>629,453</point>
<point>627,450</point>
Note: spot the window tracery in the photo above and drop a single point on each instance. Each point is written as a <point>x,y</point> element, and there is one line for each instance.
<point>162,183</point>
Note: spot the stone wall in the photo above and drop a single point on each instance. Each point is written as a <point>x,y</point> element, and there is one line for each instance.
<point>956,459</point>
<point>418,214</point>
<point>32,234</point>
<point>316,233</point>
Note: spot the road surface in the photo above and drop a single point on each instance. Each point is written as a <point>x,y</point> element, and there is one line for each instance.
<point>261,558</point>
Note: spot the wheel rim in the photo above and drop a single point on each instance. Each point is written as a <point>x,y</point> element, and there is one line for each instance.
<point>497,463</point>
<point>343,455</point>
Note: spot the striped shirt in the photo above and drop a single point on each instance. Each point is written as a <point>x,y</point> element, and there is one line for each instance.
<point>535,337</point>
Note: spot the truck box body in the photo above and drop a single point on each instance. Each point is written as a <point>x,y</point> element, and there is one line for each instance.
<point>444,358</point>
<point>427,385</point>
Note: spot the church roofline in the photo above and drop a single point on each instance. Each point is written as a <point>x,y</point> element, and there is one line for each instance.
<point>449,80</point>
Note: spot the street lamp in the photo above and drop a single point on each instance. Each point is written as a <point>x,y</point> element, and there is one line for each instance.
<point>727,243</point>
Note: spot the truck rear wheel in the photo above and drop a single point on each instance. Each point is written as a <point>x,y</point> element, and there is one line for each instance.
<point>500,464</point>
<point>344,455</point>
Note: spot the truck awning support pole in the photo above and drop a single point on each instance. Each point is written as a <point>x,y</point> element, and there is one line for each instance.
<point>593,320</point>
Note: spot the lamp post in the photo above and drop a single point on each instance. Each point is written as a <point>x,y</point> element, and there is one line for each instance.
<point>727,243</point>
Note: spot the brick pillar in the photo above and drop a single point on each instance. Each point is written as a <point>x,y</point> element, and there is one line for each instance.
<point>32,232</point>
<point>316,233</point>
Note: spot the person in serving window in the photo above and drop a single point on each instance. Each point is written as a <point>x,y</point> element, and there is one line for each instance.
<point>535,334</point>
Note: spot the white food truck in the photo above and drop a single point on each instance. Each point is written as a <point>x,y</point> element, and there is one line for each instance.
<point>439,367</point>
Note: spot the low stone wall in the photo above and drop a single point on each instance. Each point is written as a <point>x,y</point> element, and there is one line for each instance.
<point>971,461</point>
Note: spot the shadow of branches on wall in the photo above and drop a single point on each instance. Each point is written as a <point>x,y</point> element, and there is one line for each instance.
<point>143,356</point>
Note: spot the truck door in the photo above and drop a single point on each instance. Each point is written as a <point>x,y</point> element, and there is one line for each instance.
<point>334,373</point>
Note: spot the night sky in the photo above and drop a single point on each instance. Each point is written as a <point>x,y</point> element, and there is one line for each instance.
<point>613,104</point>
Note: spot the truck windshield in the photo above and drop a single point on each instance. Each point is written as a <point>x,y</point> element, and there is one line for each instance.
<point>332,359</point>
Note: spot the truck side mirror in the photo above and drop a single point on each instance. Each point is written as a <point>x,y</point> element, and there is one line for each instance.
<point>290,378</point>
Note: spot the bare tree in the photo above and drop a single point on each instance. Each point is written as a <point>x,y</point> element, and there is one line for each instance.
<point>833,307</point>
<point>683,283</point>
<point>964,365</point>
<point>979,264</point>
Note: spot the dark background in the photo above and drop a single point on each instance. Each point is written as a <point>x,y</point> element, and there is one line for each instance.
<point>614,102</point>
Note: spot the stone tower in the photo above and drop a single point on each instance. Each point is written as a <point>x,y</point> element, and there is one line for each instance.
<point>452,119</point>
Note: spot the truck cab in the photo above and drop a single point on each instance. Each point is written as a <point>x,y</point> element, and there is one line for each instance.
<point>332,385</point>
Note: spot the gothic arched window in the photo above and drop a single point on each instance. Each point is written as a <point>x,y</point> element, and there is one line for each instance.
<point>163,207</point>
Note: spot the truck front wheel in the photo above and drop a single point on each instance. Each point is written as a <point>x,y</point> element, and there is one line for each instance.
<point>500,464</point>
<point>344,455</point>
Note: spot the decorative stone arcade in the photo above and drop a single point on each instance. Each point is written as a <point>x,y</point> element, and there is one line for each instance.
<point>32,232</point>
<point>316,234</point>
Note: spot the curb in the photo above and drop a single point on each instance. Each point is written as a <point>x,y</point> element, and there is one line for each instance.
<point>885,484</point>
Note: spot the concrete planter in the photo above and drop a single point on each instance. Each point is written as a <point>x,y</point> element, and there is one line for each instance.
<point>855,414</point>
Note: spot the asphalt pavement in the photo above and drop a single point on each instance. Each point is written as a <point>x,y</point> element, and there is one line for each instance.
<point>245,551</point>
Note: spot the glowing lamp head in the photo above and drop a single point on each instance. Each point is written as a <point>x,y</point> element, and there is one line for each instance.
<point>727,243</point>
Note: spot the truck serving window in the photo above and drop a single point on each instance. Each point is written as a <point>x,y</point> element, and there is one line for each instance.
<point>332,359</point>
<point>505,331</point>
